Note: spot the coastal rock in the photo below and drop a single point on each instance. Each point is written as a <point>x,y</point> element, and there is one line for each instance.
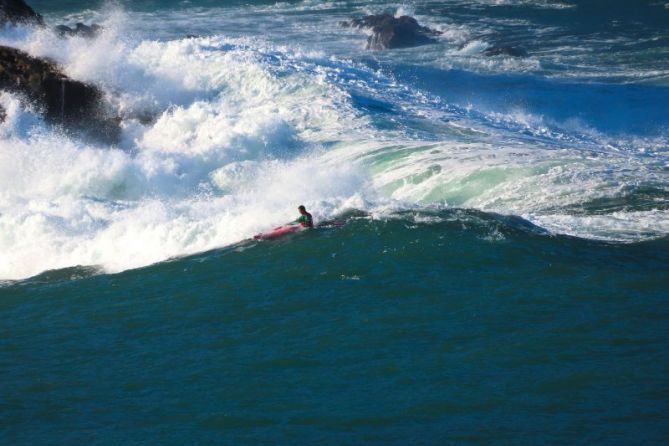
<point>390,32</point>
<point>17,11</point>
<point>74,105</point>
<point>512,51</point>
<point>80,30</point>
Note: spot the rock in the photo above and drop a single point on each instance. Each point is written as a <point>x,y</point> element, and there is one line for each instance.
<point>17,11</point>
<point>512,51</point>
<point>80,30</point>
<point>390,32</point>
<point>72,104</point>
<point>3,114</point>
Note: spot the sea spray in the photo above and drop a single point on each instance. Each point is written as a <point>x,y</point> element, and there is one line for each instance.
<point>224,134</point>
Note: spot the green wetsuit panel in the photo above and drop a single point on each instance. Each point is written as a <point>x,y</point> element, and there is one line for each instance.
<point>305,220</point>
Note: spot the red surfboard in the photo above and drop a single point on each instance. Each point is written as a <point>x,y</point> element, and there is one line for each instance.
<point>279,232</point>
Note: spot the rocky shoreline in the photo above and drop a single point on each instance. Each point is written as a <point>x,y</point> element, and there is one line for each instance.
<point>17,11</point>
<point>75,106</point>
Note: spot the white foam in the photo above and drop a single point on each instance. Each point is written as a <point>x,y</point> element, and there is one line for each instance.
<point>470,58</point>
<point>474,47</point>
<point>539,4</point>
<point>403,10</point>
<point>228,154</point>
<point>19,119</point>
<point>223,137</point>
<point>77,205</point>
<point>616,226</point>
<point>529,180</point>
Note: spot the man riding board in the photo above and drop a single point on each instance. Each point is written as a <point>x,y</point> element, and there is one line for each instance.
<point>305,219</point>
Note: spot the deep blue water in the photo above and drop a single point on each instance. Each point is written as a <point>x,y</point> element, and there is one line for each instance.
<point>369,333</point>
<point>501,276</point>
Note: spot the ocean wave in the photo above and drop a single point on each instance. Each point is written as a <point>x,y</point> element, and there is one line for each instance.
<point>224,135</point>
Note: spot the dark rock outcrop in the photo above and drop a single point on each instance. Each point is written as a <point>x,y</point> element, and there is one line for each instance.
<point>74,105</point>
<point>17,11</point>
<point>389,32</point>
<point>512,51</point>
<point>80,30</point>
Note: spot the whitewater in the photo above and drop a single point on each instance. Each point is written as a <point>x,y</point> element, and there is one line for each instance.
<point>225,131</point>
<point>493,264</point>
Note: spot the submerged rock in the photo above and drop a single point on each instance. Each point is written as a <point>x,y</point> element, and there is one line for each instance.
<point>80,30</point>
<point>74,105</point>
<point>512,51</point>
<point>390,32</point>
<point>17,11</point>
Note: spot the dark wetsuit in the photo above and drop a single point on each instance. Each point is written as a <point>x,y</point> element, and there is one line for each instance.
<point>305,220</point>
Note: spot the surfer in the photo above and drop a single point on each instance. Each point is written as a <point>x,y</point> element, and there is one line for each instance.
<point>305,219</point>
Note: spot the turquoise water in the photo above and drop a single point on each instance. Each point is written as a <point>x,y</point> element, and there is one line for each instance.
<point>501,276</point>
<point>369,333</point>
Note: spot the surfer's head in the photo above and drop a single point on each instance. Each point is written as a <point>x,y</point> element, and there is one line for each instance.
<point>302,209</point>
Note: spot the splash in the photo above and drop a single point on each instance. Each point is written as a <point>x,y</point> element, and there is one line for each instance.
<point>223,136</point>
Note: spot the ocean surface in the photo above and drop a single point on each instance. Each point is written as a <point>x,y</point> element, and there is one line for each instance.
<point>501,276</point>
